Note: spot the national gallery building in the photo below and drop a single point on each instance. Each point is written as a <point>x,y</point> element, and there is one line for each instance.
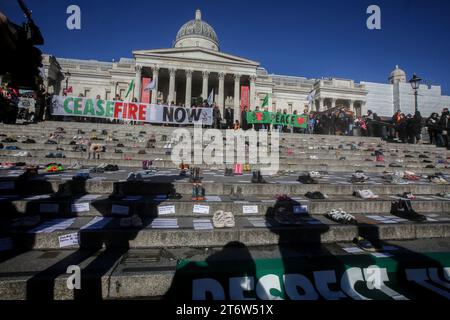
<point>194,67</point>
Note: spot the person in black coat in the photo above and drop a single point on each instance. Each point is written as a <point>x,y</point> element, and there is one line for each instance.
<point>229,115</point>
<point>432,126</point>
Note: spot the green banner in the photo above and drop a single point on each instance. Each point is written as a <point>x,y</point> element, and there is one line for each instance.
<point>351,277</point>
<point>266,117</point>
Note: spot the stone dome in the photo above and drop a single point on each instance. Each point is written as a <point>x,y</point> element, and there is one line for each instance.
<point>197,33</point>
<point>397,75</point>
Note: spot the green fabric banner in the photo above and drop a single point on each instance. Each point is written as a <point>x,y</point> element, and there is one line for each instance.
<point>360,277</point>
<point>263,117</point>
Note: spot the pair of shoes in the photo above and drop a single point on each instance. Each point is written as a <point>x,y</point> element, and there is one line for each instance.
<point>134,221</point>
<point>120,145</point>
<point>437,179</point>
<point>365,194</point>
<point>306,179</point>
<point>223,220</point>
<point>111,167</point>
<point>236,195</point>
<point>229,172</point>
<point>340,216</point>
<point>364,244</point>
<point>142,152</point>
<point>403,209</point>
<point>257,177</point>
<point>198,193</point>
<point>316,195</point>
<point>134,177</point>
<point>50,142</point>
<point>29,141</point>
<point>118,151</point>
<point>195,175</point>
<point>408,195</point>
<point>51,168</point>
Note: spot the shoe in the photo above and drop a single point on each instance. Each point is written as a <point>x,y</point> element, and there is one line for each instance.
<point>194,193</point>
<point>306,179</point>
<point>111,168</point>
<point>136,221</point>
<point>315,195</point>
<point>201,193</point>
<point>126,222</point>
<point>364,244</point>
<point>219,219</point>
<point>365,194</point>
<point>408,195</point>
<point>403,209</point>
<point>255,177</point>
<point>229,221</point>
<point>340,216</point>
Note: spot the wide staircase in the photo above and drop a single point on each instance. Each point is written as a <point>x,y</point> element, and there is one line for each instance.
<point>52,221</point>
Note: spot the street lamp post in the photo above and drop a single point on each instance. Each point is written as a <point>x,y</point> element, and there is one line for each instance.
<point>415,83</point>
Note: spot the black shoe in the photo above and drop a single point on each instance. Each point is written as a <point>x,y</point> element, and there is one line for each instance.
<point>255,177</point>
<point>260,177</point>
<point>306,179</point>
<point>403,209</point>
<point>120,145</point>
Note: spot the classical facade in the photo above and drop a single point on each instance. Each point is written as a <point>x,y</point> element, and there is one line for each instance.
<point>194,67</point>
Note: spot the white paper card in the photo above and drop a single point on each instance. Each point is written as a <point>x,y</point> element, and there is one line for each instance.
<point>250,209</point>
<point>80,207</point>
<point>166,210</point>
<point>120,210</point>
<point>381,255</point>
<point>49,207</point>
<point>213,199</point>
<point>6,244</point>
<point>202,209</point>
<point>97,223</point>
<point>68,240</point>
<point>300,209</point>
<point>353,250</point>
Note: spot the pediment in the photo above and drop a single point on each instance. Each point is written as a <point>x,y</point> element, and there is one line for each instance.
<point>195,54</point>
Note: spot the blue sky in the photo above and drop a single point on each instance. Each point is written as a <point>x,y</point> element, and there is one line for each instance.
<point>310,38</point>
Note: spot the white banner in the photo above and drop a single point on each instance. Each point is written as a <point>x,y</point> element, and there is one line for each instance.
<point>129,111</point>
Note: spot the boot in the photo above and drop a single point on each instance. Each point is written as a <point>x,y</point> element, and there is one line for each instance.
<point>260,178</point>
<point>255,177</point>
<point>201,193</point>
<point>194,193</point>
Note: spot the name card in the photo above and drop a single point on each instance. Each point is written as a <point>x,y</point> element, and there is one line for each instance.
<point>80,207</point>
<point>49,207</point>
<point>301,209</point>
<point>250,209</point>
<point>198,208</point>
<point>6,185</point>
<point>6,244</point>
<point>166,210</point>
<point>121,210</point>
<point>68,240</point>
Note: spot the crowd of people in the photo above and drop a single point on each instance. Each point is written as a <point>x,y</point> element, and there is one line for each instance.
<point>339,121</point>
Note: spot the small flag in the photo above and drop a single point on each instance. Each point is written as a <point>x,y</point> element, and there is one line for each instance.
<point>151,86</point>
<point>211,97</point>
<point>265,102</point>
<point>311,96</point>
<point>130,87</point>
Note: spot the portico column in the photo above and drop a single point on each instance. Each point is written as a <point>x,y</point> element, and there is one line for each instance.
<point>172,73</point>
<point>351,105</point>
<point>205,85</point>
<point>237,97</point>
<point>113,89</point>
<point>188,88</point>
<point>155,78</point>
<point>220,103</point>
<point>363,108</point>
<point>321,108</point>
<point>137,81</point>
<point>333,103</point>
<point>252,92</point>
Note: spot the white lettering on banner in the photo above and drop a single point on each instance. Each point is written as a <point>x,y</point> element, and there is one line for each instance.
<point>74,280</point>
<point>68,240</point>
<point>323,279</point>
<point>80,207</point>
<point>202,209</point>
<point>250,209</point>
<point>240,285</point>
<point>381,276</point>
<point>348,281</point>
<point>48,207</point>
<point>120,210</point>
<point>150,113</point>
<point>420,277</point>
<point>266,285</point>
<point>166,210</point>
